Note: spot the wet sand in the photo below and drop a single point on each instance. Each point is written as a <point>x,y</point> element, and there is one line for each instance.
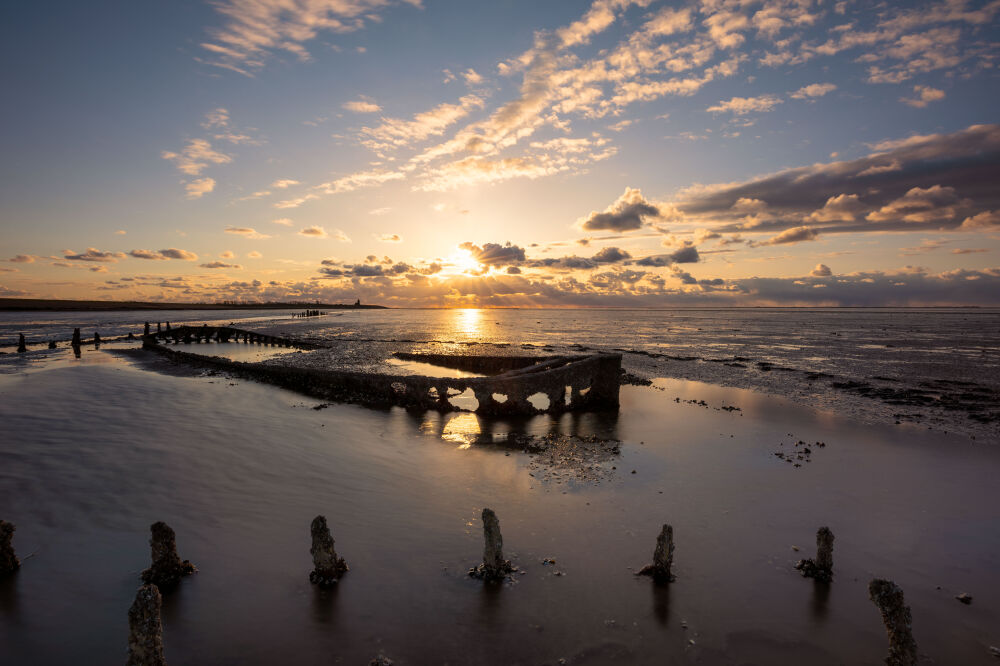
<point>93,451</point>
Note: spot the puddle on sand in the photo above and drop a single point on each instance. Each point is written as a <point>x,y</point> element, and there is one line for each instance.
<point>427,369</point>
<point>235,351</point>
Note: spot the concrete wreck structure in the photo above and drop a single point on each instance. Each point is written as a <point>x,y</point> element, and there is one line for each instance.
<point>510,385</point>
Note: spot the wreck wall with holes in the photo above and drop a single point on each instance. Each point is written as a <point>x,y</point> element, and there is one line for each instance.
<point>575,383</point>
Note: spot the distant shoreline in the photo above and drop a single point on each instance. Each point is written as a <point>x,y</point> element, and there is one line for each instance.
<point>43,305</point>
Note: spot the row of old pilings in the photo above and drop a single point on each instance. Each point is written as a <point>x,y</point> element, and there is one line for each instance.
<point>75,342</point>
<point>145,641</point>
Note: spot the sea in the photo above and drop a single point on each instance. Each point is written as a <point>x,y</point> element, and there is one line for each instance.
<point>896,407</point>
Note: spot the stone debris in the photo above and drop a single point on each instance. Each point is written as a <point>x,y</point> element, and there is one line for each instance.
<point>380,660</point>
<point>995,651</point>
<point>327,567</point>
<point>663,557</point>
<point>21,346</point>
<point>145,630</point>
<point>494,566</point>
<point>167,568</point>
<point>965,598</point>
<point>8,560</point>
<point>821,568</point>
<point>898,622</point>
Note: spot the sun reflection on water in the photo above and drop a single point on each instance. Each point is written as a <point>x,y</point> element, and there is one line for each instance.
<point>468,322</point>
<point>463,430</point>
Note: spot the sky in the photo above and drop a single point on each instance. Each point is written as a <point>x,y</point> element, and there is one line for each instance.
<point>457,153</point>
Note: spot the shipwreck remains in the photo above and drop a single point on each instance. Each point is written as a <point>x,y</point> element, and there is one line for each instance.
<point>327,567</point>
<point>898,622</point>
<point>8,560</point>
<point>663,557</point>
<point>145,629</point>
<point>509,384</point>
<point>494,566</point>
<point>167,568</point>
<point>821,568</point>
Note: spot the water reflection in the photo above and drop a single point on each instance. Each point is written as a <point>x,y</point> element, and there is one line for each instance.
<point>468,322</point>
<point>820,600</point>
<point>467,429</point>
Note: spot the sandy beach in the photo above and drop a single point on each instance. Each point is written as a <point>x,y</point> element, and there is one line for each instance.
<point>96,449</point>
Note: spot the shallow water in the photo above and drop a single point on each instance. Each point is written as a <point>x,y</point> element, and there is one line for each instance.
<point>93,450</point>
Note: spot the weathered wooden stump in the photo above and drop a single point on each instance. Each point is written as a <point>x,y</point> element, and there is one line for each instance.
<point>145,629</point>
<point>327,567</point>
<point>97,339</point>
<point>21,346</point>
<point>167,568</point>
<point>494,566</point>
<point>76,338</point>
<point>8,559</point>
<point>821,568</point>
<point>663,557</point>
<point>898,622</point>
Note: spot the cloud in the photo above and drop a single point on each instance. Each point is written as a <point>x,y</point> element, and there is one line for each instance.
<point>793,235</point>
<point>813,91</point>
<point>254,254</point>
<point>246,232</point>
<point>388,238</point>
<point>196,156</point>
<point>316,231</point>
<point>929,182</point>
<point>254,30</point>
<point>22,259</point>
<point>924,96</point>
<point>988,219</point>
<point>362,106</point>
<point>627,213</point>
<point>121,232</point>
<point>296,202</point>
<point>199,187</point>
<point>284,183</point>
<point>220,264</point>
<point>685,255</point>
<point>821,270</point>
<point>471,77</point>
<point>495,254</point>
<point>283,221</point>
<point>356,181</point>
<point>146,254</point>
<point>397,132</point>
<point>174,253</point>
<point>610,255</point>
<point>228,254</point>
<point>741,106</point>
<point>93,254</point>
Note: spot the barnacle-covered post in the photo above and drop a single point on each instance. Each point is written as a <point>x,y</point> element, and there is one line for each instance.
<point>494,566</point>
<point>663,557</point>
<point>8,560</point>
<point>822,567</point>
<point>898,622</point>
<point>167,568</point>
<point>145,629</point>
<point>327,567</point>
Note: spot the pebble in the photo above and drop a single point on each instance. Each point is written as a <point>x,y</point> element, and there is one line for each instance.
<point>964,598</point>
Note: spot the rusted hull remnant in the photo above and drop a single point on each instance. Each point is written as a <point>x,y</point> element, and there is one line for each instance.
<point>568,383</point>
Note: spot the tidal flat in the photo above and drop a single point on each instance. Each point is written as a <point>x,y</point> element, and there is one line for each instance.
<point>93,450</point>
